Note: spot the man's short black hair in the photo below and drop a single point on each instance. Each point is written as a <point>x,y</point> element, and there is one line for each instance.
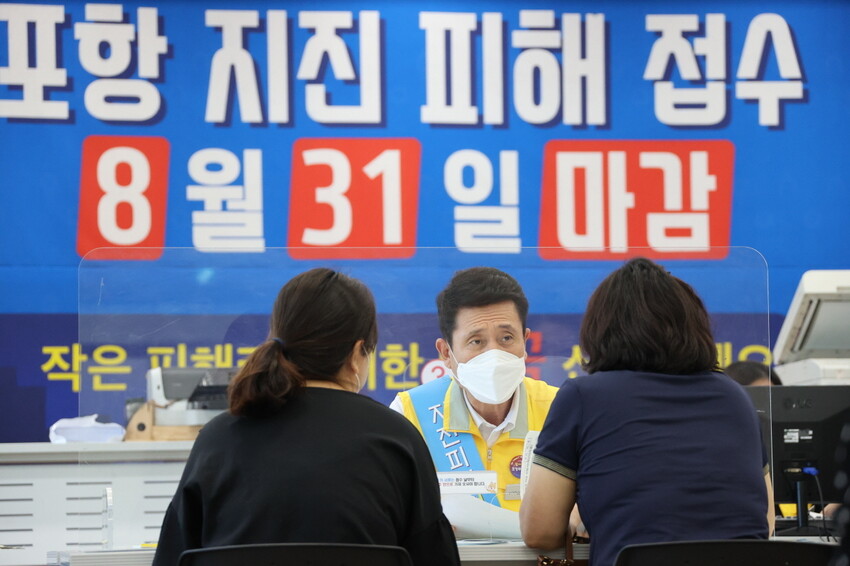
<point>478,287</point>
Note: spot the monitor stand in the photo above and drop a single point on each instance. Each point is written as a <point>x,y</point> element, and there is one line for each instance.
<point>803,529</point>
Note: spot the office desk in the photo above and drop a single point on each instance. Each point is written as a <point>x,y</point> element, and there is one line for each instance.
<point>51,499</point>
<point>504,554</point>
<point>52,495</point>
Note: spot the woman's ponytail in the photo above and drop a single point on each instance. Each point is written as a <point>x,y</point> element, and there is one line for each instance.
<point>265,382</point>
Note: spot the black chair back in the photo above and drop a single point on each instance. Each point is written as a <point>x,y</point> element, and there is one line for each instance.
<point>297,554</point>
<point>727,553</point>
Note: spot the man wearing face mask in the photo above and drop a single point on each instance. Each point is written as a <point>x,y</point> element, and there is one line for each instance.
<point>478,418</point>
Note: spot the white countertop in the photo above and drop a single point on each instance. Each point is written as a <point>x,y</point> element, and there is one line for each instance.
<point>470,553</point>
<point>88,452</point>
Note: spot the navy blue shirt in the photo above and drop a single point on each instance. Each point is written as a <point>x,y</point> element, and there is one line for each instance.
<point>658,458</point>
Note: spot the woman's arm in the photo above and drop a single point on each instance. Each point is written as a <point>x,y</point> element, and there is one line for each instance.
<point>771,514</point>
<point>544,516</point>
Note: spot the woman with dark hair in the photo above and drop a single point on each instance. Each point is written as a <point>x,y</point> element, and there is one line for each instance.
<point>300,456</point>
<point>655,444</point>
<point>749,373</point>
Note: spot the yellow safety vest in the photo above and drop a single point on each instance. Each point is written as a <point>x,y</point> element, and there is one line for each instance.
<point>505,456</point>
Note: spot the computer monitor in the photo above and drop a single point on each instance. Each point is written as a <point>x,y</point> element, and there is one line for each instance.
<point>802,426</point>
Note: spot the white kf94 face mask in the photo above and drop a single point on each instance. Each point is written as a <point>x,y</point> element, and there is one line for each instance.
<point>491,377</point>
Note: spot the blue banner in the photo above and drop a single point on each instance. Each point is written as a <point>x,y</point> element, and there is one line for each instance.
<point>578,134</point>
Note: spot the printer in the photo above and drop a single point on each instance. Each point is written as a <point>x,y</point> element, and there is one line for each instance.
<point>179,402</point>
<point>813,347</point>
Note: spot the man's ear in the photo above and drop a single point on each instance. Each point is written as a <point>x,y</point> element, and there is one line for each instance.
<point>525,338</point>
<point>442,349</point>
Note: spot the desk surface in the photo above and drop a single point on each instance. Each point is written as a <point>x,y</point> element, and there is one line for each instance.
<point>511,553</point>
<point>505,553</point>
<point>90,452</point>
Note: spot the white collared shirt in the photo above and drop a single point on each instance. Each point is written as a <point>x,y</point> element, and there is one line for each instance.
<point>491,433</point>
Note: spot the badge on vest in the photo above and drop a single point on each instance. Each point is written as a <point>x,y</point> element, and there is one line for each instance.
<point>516,466</point>
<point>512,492</point>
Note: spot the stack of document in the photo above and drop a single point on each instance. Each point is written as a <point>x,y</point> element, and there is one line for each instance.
<point>474,518</point>
<point>135,557</point>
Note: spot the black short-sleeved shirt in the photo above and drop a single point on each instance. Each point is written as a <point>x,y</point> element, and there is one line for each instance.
<point>332,466</point>
<point>658,458</point>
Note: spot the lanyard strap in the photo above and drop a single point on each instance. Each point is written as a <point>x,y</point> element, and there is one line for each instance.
<point>451,451</point>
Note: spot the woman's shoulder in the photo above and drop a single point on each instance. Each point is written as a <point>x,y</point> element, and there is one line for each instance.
<point>374,413</point>
<point>602,380</point>
<point>383,413</point>
<point>216,427</point>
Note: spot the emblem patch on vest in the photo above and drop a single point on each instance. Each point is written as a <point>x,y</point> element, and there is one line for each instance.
<point>516,465</point>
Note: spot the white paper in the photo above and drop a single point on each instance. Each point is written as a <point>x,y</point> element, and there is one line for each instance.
<point>474,518</point>
<point>527,455</point>
<point>468,482</point>
<point>85,429</point>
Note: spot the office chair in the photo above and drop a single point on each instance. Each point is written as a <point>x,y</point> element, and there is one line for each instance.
<point>750,552</point>
<point>297,554</point>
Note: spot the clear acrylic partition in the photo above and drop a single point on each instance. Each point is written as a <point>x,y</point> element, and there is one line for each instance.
<point>181,309</point>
